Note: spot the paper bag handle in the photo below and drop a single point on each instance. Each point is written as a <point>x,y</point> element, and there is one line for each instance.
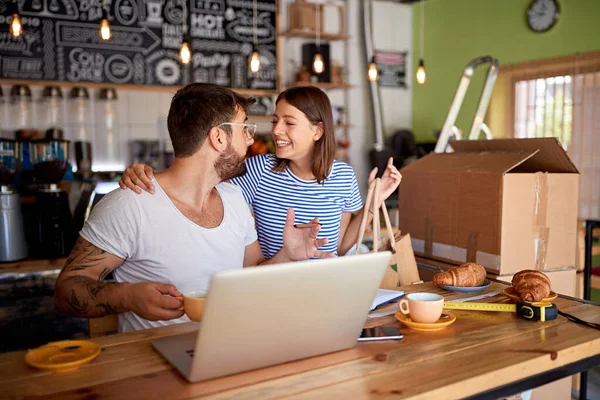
<point>388,226</point>
<point>372,201</point>
<point>376,220</point>
<point>363,223</point>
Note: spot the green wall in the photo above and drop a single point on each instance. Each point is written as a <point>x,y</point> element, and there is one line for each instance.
<point>457,31</point>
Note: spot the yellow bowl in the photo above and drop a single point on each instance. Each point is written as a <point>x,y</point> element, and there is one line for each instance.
<point>66,355</point>
<point>511,293</point>
<point>420,326</point>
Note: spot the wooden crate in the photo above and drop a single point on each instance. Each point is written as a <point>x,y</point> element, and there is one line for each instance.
<point>302,16</point>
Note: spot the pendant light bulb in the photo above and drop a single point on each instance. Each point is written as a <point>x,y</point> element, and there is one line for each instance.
<point>184,53</point>
<point>105,32</point>
<point>373,72</point>
<point>421,76</point>
<point>16,29</point>
<point>255,62</point>
<point>318,64</point>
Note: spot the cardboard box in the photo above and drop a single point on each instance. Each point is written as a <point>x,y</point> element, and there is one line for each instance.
<point>508,204</point>
<point>557,390</point>
<point>580,255</point>
<point>594,284</point>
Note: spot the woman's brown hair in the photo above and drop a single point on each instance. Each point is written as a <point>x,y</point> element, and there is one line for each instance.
<point>315,105</point>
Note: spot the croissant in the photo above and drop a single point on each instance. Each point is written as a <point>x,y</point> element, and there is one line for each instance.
<point>467,275</point>
<point>531,285</point>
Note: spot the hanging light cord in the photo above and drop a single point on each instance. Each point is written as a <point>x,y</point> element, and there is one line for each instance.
<point>254,23</point>
<point>184,20</point>
<point>371,30</point>
<point>318,7</point>
<point>422,29</point>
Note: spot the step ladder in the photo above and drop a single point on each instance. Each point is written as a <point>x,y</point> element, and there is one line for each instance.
<point>450,131</point>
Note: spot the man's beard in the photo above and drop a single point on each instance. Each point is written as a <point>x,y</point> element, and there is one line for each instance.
<point>230,164</point>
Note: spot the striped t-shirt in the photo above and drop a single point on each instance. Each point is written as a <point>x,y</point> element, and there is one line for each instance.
<point>270,194</point>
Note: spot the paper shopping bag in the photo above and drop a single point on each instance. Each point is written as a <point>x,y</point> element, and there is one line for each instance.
<point>403,266</point>
<point>404,256</point>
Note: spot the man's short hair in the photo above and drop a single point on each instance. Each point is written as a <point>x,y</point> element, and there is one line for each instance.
<point>198,107</point>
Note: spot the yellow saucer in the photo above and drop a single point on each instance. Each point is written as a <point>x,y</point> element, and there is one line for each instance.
<point>66,355</point>
<point>511,293</point>
<point>419,326</point>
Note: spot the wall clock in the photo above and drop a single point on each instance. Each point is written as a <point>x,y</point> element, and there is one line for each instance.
<point>542,15</point>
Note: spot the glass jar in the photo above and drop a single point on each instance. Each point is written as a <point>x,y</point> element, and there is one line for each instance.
<point>109,148</point>
<point>21,107</point>
<point>51,108</point>
<point>79,125</point>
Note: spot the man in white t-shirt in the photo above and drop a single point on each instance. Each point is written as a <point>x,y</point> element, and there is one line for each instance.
<point>160,246</point>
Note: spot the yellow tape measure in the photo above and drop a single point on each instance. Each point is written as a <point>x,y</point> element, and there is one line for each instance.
<point>538,311</point>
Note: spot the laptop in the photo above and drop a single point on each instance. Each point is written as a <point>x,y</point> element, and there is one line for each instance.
<point>263,316</point>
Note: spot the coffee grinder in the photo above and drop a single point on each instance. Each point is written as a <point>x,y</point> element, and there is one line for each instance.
<point>55,228</point>
<point>13,246</point>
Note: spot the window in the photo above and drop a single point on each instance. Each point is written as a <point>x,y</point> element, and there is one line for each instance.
<point>555,98</point>
<point>544,108</point>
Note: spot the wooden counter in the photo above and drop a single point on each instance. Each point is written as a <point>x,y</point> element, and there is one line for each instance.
<point>33,265</point>
<point>479,352</point>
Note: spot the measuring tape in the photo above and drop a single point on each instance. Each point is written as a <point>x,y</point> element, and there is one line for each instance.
<point>537,311</point>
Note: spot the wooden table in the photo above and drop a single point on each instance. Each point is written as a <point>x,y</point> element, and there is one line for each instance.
<point>480,352</point>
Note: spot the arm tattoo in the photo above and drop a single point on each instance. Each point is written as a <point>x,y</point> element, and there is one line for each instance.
<point>84,255</point>
<point>84,303</point>
<point>95,288</point>
<point>75,305</point>
<point>104,274</point>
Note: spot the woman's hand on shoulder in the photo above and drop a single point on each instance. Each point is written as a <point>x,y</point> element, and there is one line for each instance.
<point>138,177</point>
<point>390,180</point>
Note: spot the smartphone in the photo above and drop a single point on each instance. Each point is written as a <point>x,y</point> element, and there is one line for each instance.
<point>380,333</point>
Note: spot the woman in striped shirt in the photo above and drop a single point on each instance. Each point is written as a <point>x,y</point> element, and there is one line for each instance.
<point>302,175</point>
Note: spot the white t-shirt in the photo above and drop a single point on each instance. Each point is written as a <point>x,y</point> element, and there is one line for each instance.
<point>159,244</point>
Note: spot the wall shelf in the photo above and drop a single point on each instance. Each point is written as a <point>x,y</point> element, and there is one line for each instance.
<point>260,118</point>
<point>325,85</point>
<point>153,88</point>
<point>311,34</point>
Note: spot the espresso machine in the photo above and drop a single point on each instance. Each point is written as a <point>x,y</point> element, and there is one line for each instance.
<point>55,236</point>
<point>13,245</point>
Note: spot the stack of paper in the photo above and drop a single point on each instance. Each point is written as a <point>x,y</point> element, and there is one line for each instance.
<point>384,296</point>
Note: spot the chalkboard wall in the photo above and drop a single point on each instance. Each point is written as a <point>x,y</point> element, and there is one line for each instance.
<point>61,42</point>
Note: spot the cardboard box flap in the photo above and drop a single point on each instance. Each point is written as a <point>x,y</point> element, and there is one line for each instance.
<point>496,163</point>
<point>551,156</point>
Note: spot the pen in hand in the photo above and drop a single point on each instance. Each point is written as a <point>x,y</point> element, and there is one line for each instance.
<point>306,225</point>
